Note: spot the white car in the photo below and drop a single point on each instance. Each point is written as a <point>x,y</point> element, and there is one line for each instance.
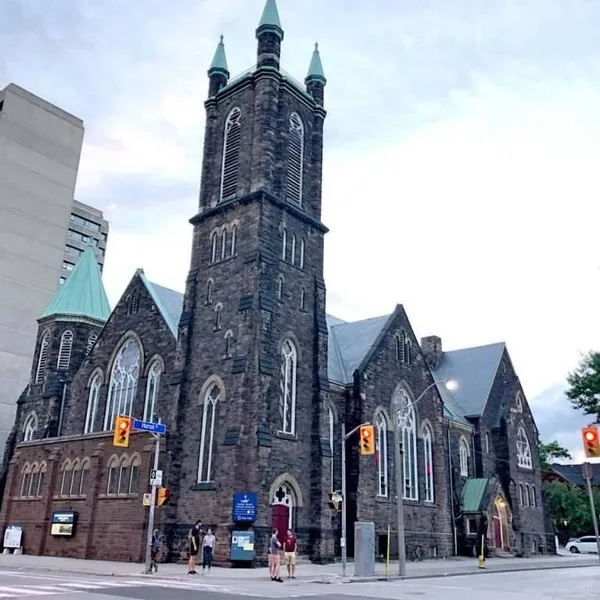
<point>583,544</point>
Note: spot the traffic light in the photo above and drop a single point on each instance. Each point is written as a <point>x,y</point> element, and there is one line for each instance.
<point>162,496</point>
<point>367,440</point>
<point>122,431</point>
<point>591,443</point>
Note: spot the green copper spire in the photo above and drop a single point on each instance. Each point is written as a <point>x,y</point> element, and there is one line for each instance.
<point>82,295</point>
<point>315,70</point>
<point>269,22</point>
<point>219,62</point>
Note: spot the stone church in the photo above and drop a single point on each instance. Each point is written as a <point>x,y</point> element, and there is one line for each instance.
<point>253,378</point>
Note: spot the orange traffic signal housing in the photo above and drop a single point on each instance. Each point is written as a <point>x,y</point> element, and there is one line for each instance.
<point>367,440</point>
<point>591,442</point>
<point>162,496</point>
<point>122,431</point>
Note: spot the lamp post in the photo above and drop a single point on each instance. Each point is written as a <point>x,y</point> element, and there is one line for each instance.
<point>399,472</point>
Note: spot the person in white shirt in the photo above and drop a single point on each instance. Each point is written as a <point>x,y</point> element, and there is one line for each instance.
<point>208,545</point>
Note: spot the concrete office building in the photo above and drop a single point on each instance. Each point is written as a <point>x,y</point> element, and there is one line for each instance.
<point>86,223</point>
<point>40,147</point>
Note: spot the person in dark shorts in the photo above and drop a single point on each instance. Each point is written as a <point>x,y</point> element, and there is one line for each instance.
<point>274,546</point>
<point>194,539</point>
<point>154,551</point>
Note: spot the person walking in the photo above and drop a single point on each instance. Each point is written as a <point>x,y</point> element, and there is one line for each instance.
<point>194,542</point>
<point>154,551</point>
<point>208,545</point>
<point>290,547</point>
<point>274,546</point>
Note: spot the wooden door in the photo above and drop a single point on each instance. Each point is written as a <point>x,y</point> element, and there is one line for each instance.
<point>280,518</point>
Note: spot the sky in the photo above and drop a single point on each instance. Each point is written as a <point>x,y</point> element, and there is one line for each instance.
<point>462,144</point>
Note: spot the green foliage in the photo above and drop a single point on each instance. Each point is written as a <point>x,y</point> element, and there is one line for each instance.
<point>584,385</point>
<point>570,507</point>
<point>551,452</point>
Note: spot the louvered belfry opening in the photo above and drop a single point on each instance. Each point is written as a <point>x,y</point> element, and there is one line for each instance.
<point>231,155</point>
<point>295,160</point>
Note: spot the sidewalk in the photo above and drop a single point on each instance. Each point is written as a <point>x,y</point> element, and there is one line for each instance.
<point>305,572</point>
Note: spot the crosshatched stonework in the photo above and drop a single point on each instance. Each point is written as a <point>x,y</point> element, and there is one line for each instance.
<point>253,379</point>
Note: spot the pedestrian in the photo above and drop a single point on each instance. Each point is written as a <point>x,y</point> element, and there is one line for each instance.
<point>208,545</point>
<point>274,546</point>
<point>194,542</point>
<point>290,547</point>
<point>154,551</point>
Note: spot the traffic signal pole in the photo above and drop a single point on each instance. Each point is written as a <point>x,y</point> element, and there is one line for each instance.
<point>152,507</point>
<point>344,541</point>
<point>594,516</point>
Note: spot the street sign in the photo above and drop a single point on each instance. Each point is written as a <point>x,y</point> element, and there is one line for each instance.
<point>148,426</point>
<point>147,500</point>
<point>244,507</point>
<point>156,477</point>
<point>588,471</point>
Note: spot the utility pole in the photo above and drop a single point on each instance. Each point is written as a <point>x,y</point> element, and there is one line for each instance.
<point>152,506</point>
<point>399,476</point>
<point>587,473</point>
<point>344,541</point>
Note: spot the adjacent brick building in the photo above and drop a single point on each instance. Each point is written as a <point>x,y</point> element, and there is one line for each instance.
<point>254,380</point>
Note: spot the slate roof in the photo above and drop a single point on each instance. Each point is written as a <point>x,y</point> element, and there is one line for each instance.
<point>473,494</point>
<point>574,473</point>
<point>349,343</point>
<point>169,302</point>
<point>82,294</point>
<point>474,370</point>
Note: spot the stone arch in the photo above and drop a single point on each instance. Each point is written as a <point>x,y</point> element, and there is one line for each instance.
<point>403,386</point>
<point>290,480</point>
<point>131,334</point>
<point>289,335</point>
<point>424,426</point>
<point>213,379</point>
<point>150,362</point>
<point>380,410</point>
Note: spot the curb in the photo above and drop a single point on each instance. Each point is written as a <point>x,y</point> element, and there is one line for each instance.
<point>380,578</point>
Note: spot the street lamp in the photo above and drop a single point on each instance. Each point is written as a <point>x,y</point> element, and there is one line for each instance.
<point>450,384</point>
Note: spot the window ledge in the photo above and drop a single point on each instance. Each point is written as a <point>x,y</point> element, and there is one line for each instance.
<point>291,437</point>
<point>382,499</point>
<point>205,486</point>
<point>111,496</point>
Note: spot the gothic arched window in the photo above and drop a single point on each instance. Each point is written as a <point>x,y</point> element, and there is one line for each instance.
<point>428,463</point>
<point>407,423</point>
<point>92,407</point>
<point>223,242</point>
<point>293,249</point>
<point>284,244</point>
<point>209,414</point>
<point>209,291</point>
<point>152,390</point>
<point>233,239</point>
<point>401,347</point>
<point>214,241</point>
<point>123,383</point>
<point>218,311</point>
<point>301,257</point>
<point>523,449</point>
<point>41,368</point>
<point>381,426</point>
<point>463,454</point>
<point>295,159</point>
<point>332,444</point>
<point>287,394</point>
<point>64,353</point>
<point>231,154</point>
<point>519,403</point>
<point>30,428</point>
<point>90,343</point>
<point>228,343</point>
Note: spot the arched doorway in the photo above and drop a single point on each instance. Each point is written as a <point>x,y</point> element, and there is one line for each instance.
<point>282,510</point>
<point>499,525</point>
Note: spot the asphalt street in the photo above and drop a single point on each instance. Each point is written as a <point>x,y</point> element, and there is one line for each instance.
<point>564,584</point>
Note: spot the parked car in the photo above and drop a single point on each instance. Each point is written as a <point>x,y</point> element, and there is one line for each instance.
<point>583,545</point>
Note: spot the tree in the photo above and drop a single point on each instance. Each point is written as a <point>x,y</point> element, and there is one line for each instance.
<point>552,451</point>
<point>570,507</point>
<point>584,385</point>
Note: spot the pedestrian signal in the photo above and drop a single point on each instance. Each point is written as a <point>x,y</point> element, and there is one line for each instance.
<point>162,496</point>
<point>367,440</point>
<point>122,431</point>
<point>591,443</point>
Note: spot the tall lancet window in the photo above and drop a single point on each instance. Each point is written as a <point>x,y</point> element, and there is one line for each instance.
<point>295,159</point>
<point>64,353</point>
<point>231,154</point>
<point>41,368</point>
<point>287,392</point>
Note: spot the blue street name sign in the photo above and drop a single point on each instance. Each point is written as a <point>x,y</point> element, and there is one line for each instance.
<point>244,507</point>
<point>151,427</point>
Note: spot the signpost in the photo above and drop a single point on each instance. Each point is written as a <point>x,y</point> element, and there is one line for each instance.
<point>156,429</point>
<point>244,507</point>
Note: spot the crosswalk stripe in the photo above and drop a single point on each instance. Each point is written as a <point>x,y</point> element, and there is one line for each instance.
<point>84,585</point>
<point>25,591</point>
<point>51,588</point>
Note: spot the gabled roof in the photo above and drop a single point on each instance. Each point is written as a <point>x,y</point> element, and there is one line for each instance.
<point>169,302</point>
<point>474,370</point>
<point>574,473</point>
<point>82,295</point>
<point>473,494</point>
<point>349,344</point>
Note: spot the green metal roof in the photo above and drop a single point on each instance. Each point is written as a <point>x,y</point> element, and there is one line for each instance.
<point>315,69</point>
<point>82,294</point>
<point>269,20</point>
<point>473,494</point>
<point>219,61</point>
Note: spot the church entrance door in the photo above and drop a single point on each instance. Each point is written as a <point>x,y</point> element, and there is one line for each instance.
<point>282,511</point>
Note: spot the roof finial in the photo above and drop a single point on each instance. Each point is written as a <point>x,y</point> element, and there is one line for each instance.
<point>219,61</point>
<point>315,70</point>
<point>269,21</point>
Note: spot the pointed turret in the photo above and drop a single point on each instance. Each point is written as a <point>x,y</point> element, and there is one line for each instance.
<point>82,295</point>
<point>315,78</point>
<point>269,35</point>
<point>218,72</point>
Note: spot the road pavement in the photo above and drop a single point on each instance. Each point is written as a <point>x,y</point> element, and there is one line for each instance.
<point>566,584</point>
